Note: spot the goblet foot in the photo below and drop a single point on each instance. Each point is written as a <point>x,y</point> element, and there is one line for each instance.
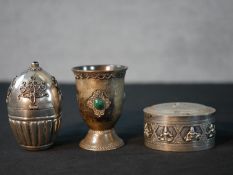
<point>101,140</point>
<point>37,148</point>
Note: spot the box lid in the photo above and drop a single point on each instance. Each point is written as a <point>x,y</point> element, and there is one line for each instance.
<point>179,109</point>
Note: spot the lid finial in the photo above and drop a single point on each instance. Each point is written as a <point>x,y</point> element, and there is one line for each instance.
<point>35,66</point>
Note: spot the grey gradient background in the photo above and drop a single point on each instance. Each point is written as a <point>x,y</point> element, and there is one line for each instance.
<point>169,41</point>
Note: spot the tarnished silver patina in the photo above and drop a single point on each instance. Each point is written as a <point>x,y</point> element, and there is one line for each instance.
<point>179,127</point>
<point>34,108</point>
<point>100,94</point>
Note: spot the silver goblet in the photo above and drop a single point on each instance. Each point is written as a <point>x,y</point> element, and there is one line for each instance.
<point>100,94</point>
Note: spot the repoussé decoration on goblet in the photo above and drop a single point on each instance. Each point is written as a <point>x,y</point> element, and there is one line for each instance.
<point>100,95</point>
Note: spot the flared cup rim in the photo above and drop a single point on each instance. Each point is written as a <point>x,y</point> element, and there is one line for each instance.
<point>99,68</point>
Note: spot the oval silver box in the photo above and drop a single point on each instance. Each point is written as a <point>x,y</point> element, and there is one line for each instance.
<point>179,127</point>
<point>34,108</point>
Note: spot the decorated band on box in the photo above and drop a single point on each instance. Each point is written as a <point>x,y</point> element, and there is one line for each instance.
<point>179,127</point>
<point>34,108</point>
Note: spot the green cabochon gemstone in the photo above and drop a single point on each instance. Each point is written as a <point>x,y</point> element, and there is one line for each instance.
<point>99,104</point>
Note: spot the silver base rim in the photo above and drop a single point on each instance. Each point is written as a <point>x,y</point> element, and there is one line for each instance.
<point>179,148</point>
<point>37,148</point>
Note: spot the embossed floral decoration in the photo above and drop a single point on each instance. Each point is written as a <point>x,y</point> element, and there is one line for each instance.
<point>98,102</point>
<point>33,89</point>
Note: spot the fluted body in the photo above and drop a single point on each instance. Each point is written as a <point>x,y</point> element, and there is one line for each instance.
<point>34,108</point>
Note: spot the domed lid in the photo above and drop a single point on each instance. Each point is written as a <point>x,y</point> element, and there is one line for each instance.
<point>34,89</point>
<point>179,109</point>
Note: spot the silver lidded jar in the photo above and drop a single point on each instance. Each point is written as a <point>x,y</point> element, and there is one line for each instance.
<point>179,126</point>
<point>34,108</point>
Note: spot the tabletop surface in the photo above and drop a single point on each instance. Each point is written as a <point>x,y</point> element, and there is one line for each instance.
<point>65,157</point>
